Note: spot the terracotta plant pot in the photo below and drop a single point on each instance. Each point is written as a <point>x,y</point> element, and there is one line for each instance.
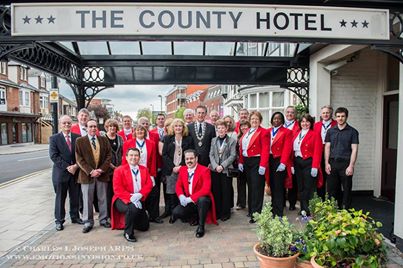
<point>303,264</point>
<point>273,262</point>
<point>314,264</point>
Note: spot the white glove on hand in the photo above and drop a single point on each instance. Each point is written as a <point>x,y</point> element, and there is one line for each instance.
<point>182,200</point>
<point>153,180</point>
<point>240,167</point>
<point>292,170</point>
<point>188,200</point>
<point>138,204</point>
<point>262,170</point>
<point>280,167</point>
<point>135,197</point>
<point>314,172</point>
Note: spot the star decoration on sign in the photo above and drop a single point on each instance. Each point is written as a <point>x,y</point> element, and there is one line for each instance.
<point>354,24</point>
<point>365,24</point>
<point>26,19</point>
<point>51,19</point>
<point>343,23</point>
<point>39,19</point>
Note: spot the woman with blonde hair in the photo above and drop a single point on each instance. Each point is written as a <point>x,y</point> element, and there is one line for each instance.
<point>175,143</point>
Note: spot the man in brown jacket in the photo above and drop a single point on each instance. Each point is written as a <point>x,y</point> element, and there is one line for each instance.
<point>93,156</point>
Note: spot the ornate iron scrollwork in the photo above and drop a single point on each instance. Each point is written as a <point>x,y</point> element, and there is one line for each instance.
<point>5,27</point>
<point>84,94</point>
<point>298,83</point>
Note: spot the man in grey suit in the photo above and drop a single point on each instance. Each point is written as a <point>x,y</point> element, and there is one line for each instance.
<point>202,133</point>
<point>93,154</point>
<point>61,152</point>
<point>222,156</point>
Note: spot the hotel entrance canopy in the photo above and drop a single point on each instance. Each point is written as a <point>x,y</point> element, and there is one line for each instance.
<point>94,46</point>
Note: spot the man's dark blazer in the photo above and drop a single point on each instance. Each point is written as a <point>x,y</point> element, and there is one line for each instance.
<point>61,156</point>
<point>168,152</point>
<point>204,150</point>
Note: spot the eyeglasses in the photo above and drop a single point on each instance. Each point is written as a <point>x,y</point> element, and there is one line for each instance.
<point>66,123</point>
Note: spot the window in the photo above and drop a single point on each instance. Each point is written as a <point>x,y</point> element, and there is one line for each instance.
<point>44,101</point>
<point>27,98</point>
<point>278,99</point>
<point>3,132</point>
<point>20,98</point>
<point>24,98</point>
<point>3,96</point>
<point>3,67</point>
<point>264,100</point>
<point>43,82</point>
<point>253,101</point>
<point>23,73</point>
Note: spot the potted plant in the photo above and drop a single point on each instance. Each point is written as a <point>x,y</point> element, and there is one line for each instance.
<point>344,238</point>
<point>277,236</point>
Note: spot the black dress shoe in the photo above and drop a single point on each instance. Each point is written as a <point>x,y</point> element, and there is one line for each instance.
<point>157,220</point>
<point>77,221</point>
<point>130,238</point>
<point>87,229</point>
<point>172,219</point>
<point>200,231</point>
<point>193,222</point>
<point>252,221</point>
<point>59,227</point>
<point>248,215</point>
<point>165,215</point>
<point>106,224</point>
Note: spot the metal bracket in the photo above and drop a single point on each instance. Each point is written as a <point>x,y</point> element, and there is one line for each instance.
<point>298,83</point>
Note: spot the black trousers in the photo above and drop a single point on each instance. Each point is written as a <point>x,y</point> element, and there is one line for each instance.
<point>293,192</point>
<point>339,185</point>
<point>167,209</point>
<point>153,199</point>
<point>61,189</point>
<point>306,183</point>
<point>241,188</point>
<point>221,187</point>
<point>134,218</point>
<point>256,184</point>
<point>322,190</point>
<point>277,186</point>
<point>171,201</point>
<point>109,195</point>
<point>191,211</point>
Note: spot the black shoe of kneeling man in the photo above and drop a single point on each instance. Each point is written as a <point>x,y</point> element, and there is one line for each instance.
<point>77,221</point>
<point>157,220</point>
<point>200,231</point>
<point>59,227</point>
<point>172,219</point>
<point>130,238</point>
<point>165,215</point>
<point>87,229</point>
<point>252,221</point>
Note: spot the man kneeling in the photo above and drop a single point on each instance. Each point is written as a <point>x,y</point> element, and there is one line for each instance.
<point>131,185</point>
<point>194,191</point>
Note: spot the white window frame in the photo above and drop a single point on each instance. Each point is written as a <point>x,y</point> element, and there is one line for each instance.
<point>3,95</point>
<point>3,67</point>
<point>23,100</point>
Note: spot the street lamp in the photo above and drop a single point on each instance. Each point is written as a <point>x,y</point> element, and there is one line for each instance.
<point>160,96</point>
<point>152,110</point>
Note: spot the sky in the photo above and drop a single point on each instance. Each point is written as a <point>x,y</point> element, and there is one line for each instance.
<point>128,98</point>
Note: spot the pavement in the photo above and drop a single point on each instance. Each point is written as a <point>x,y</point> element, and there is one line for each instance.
<point>22,148</point>
<point>28,237</point>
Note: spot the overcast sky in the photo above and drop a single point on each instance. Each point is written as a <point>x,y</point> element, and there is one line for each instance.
<point>128,98</point>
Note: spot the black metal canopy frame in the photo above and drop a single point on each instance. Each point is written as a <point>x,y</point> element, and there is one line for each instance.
<point>90,74</point>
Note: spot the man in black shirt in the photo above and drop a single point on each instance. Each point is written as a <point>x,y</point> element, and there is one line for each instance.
<point>341,148</point>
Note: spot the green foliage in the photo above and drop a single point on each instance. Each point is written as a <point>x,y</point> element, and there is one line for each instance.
<point>301,110</point>
<point>179,113</point>
<point>276,235</point>
<point>343,238</point>
<point>321,208</point>
<point>146,112</point>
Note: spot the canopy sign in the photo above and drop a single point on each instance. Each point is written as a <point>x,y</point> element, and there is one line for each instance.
<point>215,20</point>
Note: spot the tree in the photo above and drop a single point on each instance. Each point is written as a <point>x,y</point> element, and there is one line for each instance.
<point>99,111</point>
<point>179,112</point>
<point>145,112</point>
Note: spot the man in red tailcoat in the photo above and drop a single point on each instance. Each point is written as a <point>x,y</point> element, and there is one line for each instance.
<point>194,192</point>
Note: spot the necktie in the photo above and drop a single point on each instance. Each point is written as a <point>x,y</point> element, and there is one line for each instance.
<point>200,129</point>
<point>93,143</point>
<point>190,177</point>
<point>161,132</point>
<point>68,142</point>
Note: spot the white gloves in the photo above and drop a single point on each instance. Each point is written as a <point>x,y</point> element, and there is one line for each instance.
<point>153,180</point>
<point>184,200</point>
<point>262,170</point>
<point>240,167</point>
<point>135,197</point>
<point>314,172</point>
<point>292,170</point>
<point>138,204</point>
<point>280,167</point>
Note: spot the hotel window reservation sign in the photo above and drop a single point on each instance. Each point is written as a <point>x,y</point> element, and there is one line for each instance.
<point>148,19</point>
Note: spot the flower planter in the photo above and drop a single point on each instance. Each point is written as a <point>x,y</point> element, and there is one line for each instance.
<point>274,262</point>
<point>314,264</point>
<point>303,264</point>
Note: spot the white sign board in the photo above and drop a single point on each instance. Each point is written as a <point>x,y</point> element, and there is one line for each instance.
<point>149,19</point>
<point>53,96</point>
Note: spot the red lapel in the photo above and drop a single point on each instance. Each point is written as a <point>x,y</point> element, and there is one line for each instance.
<point>278,135</point>
<point>254,136</point>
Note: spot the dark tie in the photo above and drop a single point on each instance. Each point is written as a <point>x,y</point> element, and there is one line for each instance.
<point>93,143</point>
<point>200,129</point>
<point>161,131</point>
<point>68,142</point>
<point>190,176</point>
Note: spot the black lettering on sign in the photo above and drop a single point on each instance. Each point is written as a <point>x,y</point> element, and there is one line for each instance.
<point>309,22</point>
<point>259,20</point>
<point>141,19</point>
<point>276,19</point>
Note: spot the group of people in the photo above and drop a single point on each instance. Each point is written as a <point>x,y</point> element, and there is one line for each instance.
<point>120,173</point>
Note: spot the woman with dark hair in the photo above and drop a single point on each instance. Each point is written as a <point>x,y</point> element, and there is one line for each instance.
<point>307,145</point>
<point>116,142</point>
<point>241,179</point>
<point>280,161</point>
<point>175,144</point>
<point>253,160</point>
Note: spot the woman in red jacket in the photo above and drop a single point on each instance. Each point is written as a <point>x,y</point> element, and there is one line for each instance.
<point>253,161</point>
<point>308,149</point>
<point>280,161</point>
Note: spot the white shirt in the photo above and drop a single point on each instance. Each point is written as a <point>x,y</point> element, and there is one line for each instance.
<point>127,131</point>
<point>90,138</point>
<point>325,127</point>
<point>289,124</point>
<point>136,179</point>
<point>83,130</point>
<point>246,140</point>
<point>143,152</point>
<point>191,171</point>
<point>297,142</point>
